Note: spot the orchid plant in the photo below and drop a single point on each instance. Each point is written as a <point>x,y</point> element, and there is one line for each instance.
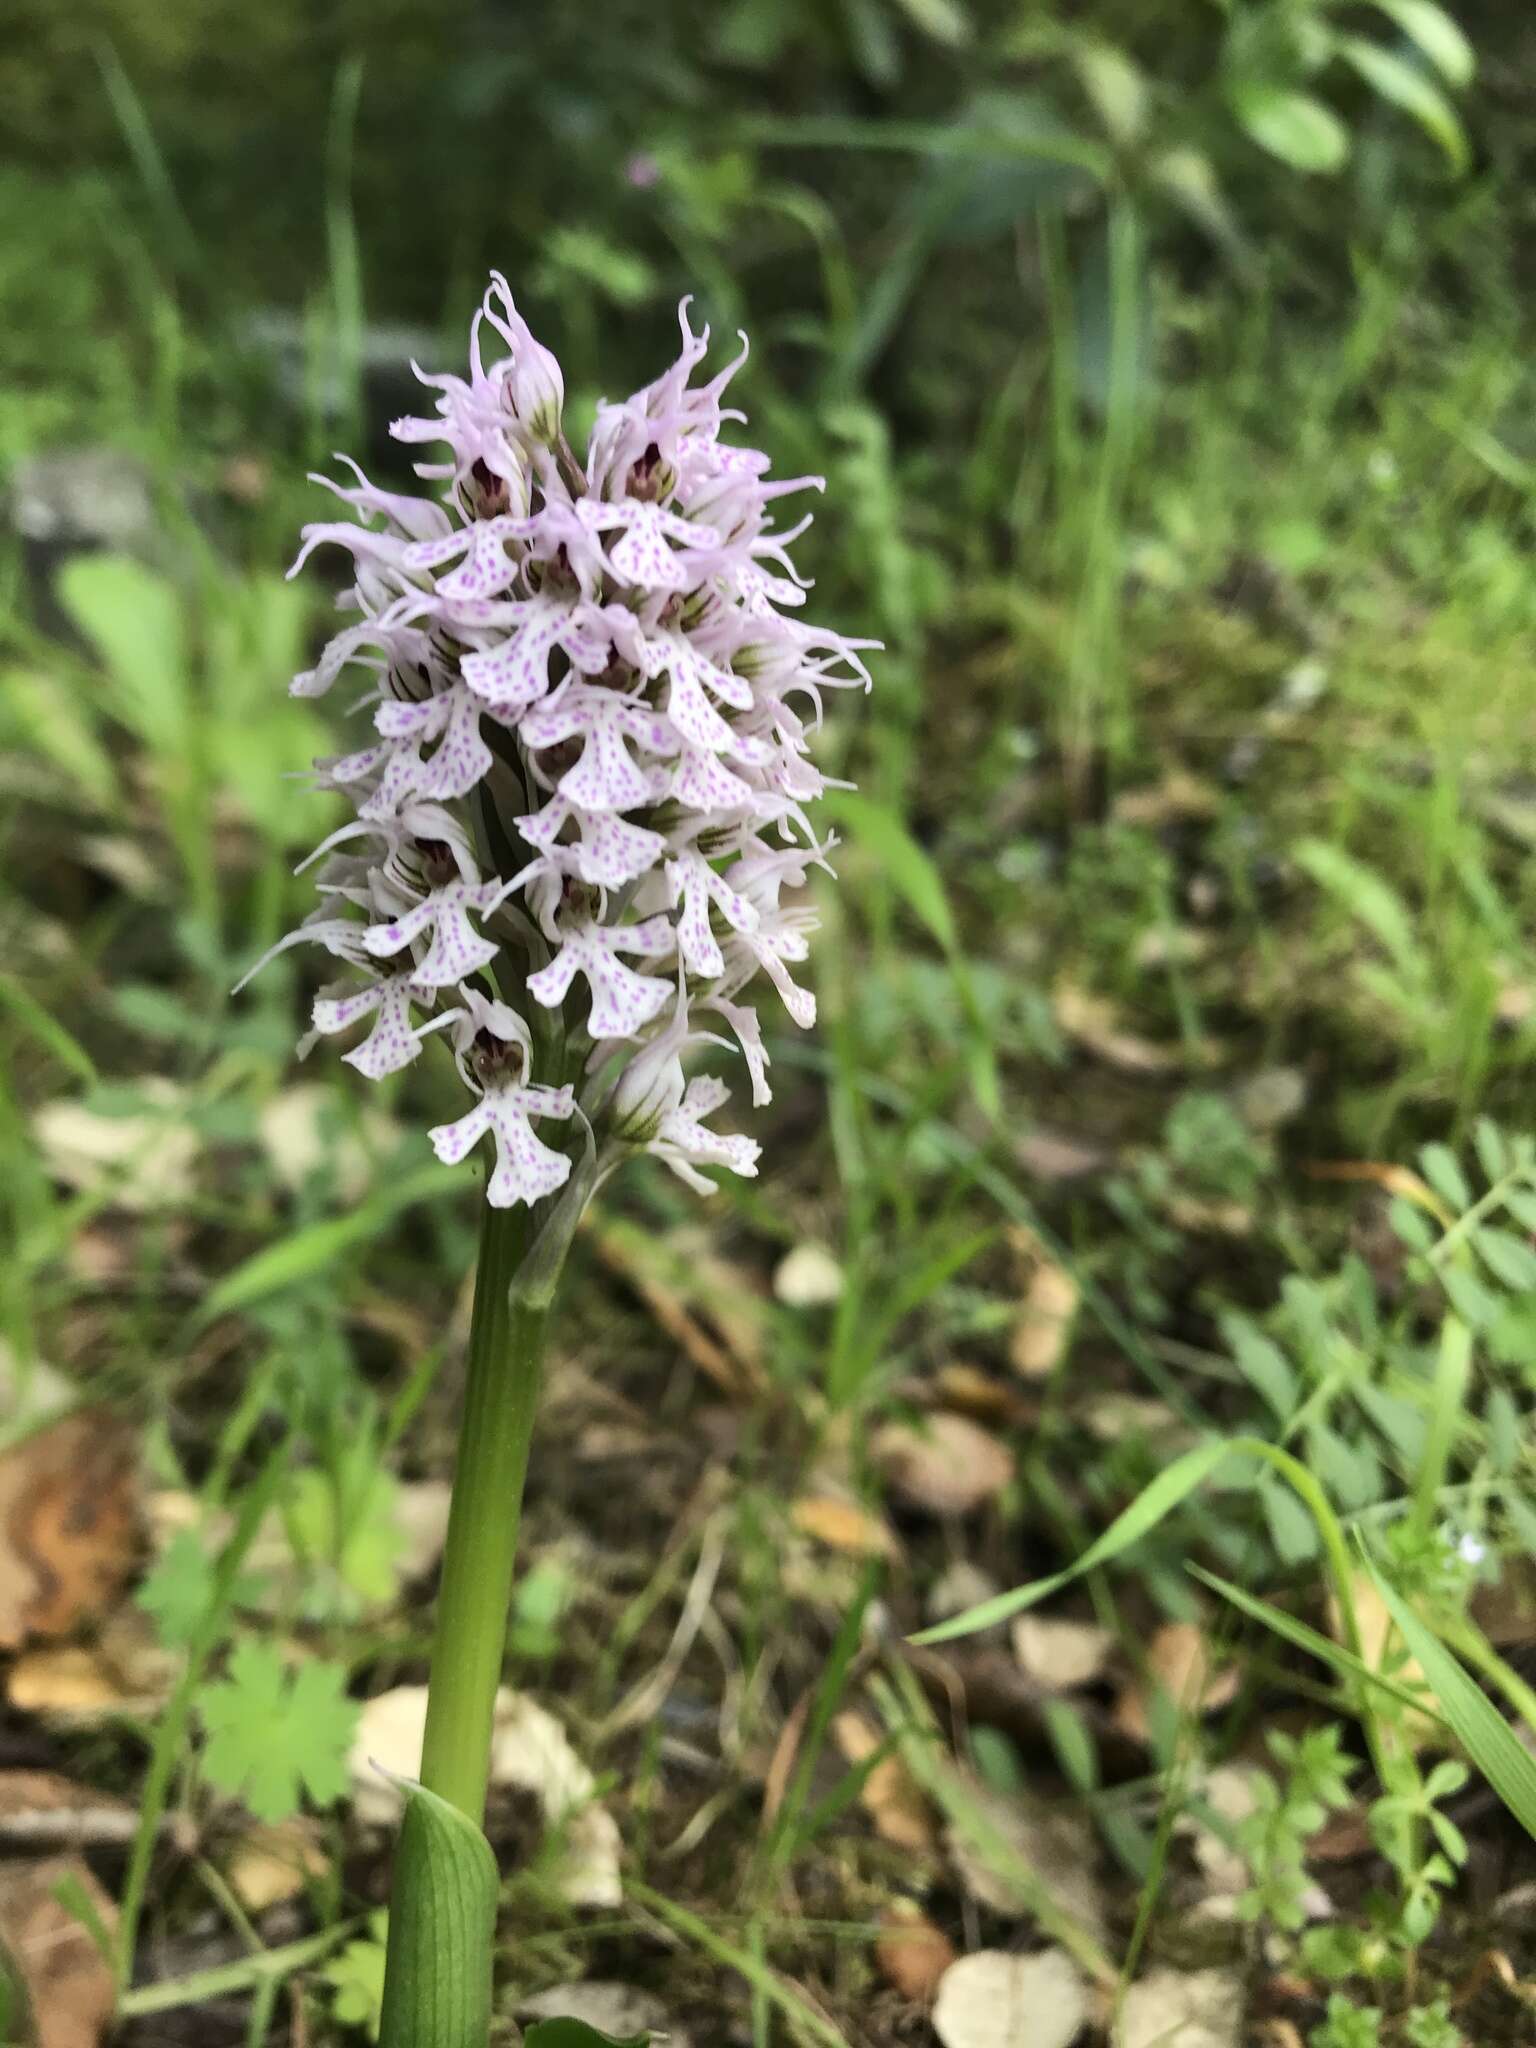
<point>581,832</point>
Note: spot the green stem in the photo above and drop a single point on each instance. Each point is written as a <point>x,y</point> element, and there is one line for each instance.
<point>506,1343</point>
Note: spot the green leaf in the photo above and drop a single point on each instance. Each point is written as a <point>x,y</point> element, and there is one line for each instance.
<point>568,2033</point>
<point>1406,86</point>
<point>1481,1730</point>
<point>42,1025</point>
<point>1293,126</point>
<point>1263,1365</point>
<point>1492,1150</point>
<point>1507,1257</point>
<point>1366,897</point>
<point>1151,1506</point>
<point>1188,178</point>
<point>356,1978</point>
<point>915,876</point>
<point>178,1591</point>
<point>906,866</point>
<point>1471,1300</point>
<point>442,1924</point>
<point>1118,90</point>
<point>49,718</point>
<point>1436,34</point>
<point>1442,1171</point>
<point>273,1737</point>
<point>1324,1648</point>
<point>133,619</point>
<point>944,20</point>
<point>311,1251</point>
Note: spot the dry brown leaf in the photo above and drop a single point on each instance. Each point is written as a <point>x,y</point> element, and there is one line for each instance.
<point>669,1283</point>
<point>1056,1156</point>
<point>273,1864</point>
<point>1178,1665</point>
<point>1215,1219</point>
<point>1395,1179</point>
<point>995,2000</point>
<point>781,1764</point>
<point>959,1586</point>
<point>70,1525</point>
<point>970,1391</point>
<point>45,1810</point>
<point>295,1127</point>
<point>1178,795</point>
<point>1058,1851</point>
<point>945,1464</point>
<point>888,1795</point>
<point>66,1979</point>
<point>1094,1022</point>
<point>125,1671</point>
<point>1061,1655</point>
<point>844,1526</point>
<point>144,1163</point>
<point>618,2010</point>
<point>1383,1650</point>
<point>530,1752</point>
<point>912,1954</point>
<point>1046,1316</point>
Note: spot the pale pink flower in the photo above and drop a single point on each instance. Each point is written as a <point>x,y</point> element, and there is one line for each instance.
<point>593,692</point>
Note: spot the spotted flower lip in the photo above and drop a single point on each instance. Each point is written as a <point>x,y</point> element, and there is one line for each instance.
<point>580,829</point>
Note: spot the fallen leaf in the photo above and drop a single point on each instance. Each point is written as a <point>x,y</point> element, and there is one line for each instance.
<point>1183,2009</point>
<point>968,1390</point>
<point>125,1671</point>
<point>844,1526</point>
<point>1057,1156</point>
<point>995,2000</point>
<point>1177,1666</point>
<point>1061,1655</point>
<point>668,1281</point>
<point>1383,1650</point>
<point>144,1162</point>
<point>66,1979</point>
<point>1180,945</point>
<point>1114,1418</point>
<point>945,1464</point>
<point>1094,1022</point>
<point>619,2010</point>
<point>960,1585</point>
<point>274,1863</point>
<point>911,1953</point>
<point>1217,1218</point>
<point>808,1277</point>
<point>1179,794</point>
<point>1271,1098</point>
<point>530,1751</point>
<point>1231,1792</point>
<point>1009,1844</point>
<point>301,1131</point>
<point>45,1810</point>
<point>1046,1316</point>
<point>70,1524</point>
<point>888,1795</point>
